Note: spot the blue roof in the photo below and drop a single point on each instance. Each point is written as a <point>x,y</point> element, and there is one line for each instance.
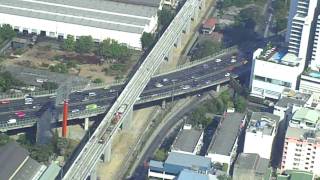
<point>176,162</point>
<point>156,165</point>
<point>191,175</point>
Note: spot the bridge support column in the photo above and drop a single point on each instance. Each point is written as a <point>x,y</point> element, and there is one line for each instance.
<point>218,88</point>
<point>107,153</point>
<point>86,123</point>
<point>127,119</point>
<point>187,27</point>
<point>93,174</point>
<point>178,43</point>
<point>163,104</point>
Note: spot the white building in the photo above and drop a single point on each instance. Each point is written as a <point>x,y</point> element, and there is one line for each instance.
<point>310,82</point>
<point>100,19</point>
<point>300,21</point>
<point>223,146</point>
<point>301,150</point>
<point>315,57</point>
<point>273,71</point>
<point>188,141</point>
<point>261,128</point>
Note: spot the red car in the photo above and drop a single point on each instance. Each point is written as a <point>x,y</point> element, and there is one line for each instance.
<point>4,102</point>
<point>20,114</point>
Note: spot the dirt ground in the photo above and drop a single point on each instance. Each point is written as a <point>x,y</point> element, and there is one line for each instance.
<point>126,139</point>
<point>88,65</point>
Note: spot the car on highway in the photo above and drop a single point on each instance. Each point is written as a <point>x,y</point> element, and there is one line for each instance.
<point>158,85</point>
<point>20,114</point>
<point>28,100</point>
<point>4,102</point>
<point>218,60</point>
<point>112,90</point>
<point>86,98</point>
<point>12,121</point>
<point>75,110</point>
<point>227,75</point>
<point>51,97</point>
<point>165,80</point>
<point>91,107</point>
<point>185,87</point>
<point>233,60</point>
<point>91,94</point>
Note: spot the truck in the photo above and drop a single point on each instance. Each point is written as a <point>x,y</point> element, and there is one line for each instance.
<point>91,107</point>
<point>119,113</point>
<point>12,121</point>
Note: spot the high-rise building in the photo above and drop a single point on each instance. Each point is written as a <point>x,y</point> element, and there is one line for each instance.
<point>301,17</point>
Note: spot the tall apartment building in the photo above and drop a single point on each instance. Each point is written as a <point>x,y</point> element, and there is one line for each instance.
<point>300,21</point>
<point>301,150</point>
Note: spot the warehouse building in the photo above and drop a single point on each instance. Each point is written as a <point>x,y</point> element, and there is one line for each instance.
<point>101,19</point>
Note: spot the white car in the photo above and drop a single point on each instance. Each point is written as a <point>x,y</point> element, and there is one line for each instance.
<point>165,80</point>
<point>233,60</point>
<point>227,75</point>
<point>75,110</point>
<point>92,94</point>
<point>158,85</point>
<point>186,87</point>
<point>218,60</point>
<point>12,121</point>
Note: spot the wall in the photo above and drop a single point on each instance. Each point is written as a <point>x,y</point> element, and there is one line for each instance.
<point>57,28</point>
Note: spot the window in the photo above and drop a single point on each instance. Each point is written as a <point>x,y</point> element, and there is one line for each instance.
<point>259,78</point>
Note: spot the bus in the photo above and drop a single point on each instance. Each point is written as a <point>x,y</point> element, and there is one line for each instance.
<point>91,107</point>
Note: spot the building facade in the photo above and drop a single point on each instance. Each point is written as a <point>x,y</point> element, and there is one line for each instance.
<point>273,71</point>
<point>262,127</point>
<point>301,150</point>
<point>99,19</point>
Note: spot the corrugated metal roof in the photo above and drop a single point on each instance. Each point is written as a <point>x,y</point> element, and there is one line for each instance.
<point>191,175</point>
<point>305,114</point>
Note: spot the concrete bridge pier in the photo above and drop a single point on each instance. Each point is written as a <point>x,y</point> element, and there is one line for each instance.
<point>107,153</point>
<point>127,119</point>
<point>178,43</point>
<point>163,104</point>
<point>93,174</point>
<point>86,123</point>
<point>218,88</point>
<point>187,28</point>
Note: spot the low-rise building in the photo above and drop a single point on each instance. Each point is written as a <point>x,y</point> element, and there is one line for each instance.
<point>250,167</point>
<point>208,26</point>
<point>177,162</point>
<point>16,163</point>
<point>310,82</point>
<point>191,175</point>
<point>273,71</point>
<point>223,146</point>
<point>305,118</point>
<point>188,140</point>
<point>290,102</point>
<point>262,127</point>
<point>301,150</point>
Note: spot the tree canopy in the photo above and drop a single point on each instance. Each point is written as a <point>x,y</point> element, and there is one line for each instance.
<point>69,43</point>
<point>84,44</point>
<point>147,39</point>
<point>165,16</point>
<point>112,49</point>
<point>6,32</point>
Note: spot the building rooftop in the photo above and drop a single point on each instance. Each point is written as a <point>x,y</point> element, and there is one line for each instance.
<point>12,155</point>
<point>251,161</point>
<point>51,172</point>
<point>176,162</point>
<point>263,122</point>
<point>191,175</point>
<point>272,54</point>
<point>226,134</point>
<point>209,23</point>
<point>151,3</point>
<point>95,13</point>
<point>303,134</point>
<point>295,175</point>
<point>307,115</point>
<point>292,97</point>
<point>187,140</point>
<point>29,170</point>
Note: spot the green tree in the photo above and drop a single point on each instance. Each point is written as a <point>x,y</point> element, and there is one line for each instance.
<point>58,68</point>
<point>165,16</point>
<point>84,44</point>
<point>69,43</point>
<point>97,80</point>
<point>240,104</point>
<point>160,155</point>
<point>112,49</point>
<point>207,48</point>
<point>50,85</point>
<point>4,139</point>
<point>7,81</point>
<point>41,153</point>
<point>224,177</point>
<point>7,32</point>
<point>147,39</point>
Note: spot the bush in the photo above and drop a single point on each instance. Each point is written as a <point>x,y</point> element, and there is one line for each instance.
<point>160,155</point>
<point>97,80</point>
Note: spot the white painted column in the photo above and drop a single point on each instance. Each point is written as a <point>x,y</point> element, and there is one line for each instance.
<point>218,88</point>
<point>163,104</point>
<point>93,174</point>
<point>128,119</point>
<point>107,152</point>
<point>86,123</point>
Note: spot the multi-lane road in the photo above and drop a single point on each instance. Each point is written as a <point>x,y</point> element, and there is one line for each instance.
<point>204,73</point>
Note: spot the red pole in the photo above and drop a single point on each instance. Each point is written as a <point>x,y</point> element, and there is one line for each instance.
<point>65,119</point>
